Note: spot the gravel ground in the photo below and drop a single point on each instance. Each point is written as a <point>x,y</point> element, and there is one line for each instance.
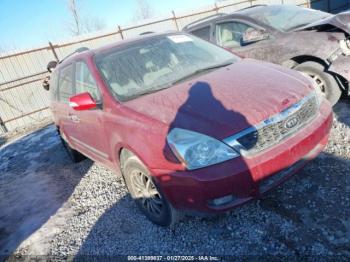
<point>64,209</point>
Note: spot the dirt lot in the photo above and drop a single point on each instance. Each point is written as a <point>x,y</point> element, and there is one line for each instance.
<point>51,206</point>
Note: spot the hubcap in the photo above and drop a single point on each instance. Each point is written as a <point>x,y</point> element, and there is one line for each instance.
<point>147,193</point>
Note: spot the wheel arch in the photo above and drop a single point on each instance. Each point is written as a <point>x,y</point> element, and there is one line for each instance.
<point>123,152</point>
<point>294,61</point>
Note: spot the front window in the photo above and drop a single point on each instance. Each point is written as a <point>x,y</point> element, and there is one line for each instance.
<point>158,62</point>
<point>84,81</point>
<point>285,17</point>
<point>229,34</point>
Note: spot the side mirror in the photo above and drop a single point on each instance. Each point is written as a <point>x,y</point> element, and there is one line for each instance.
<point>82,101</point>
<point>253,35</point>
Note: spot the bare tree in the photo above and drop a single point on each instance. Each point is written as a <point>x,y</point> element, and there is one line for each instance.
<point>143,10</point>
<point>73,9</point>
<point>80,24</point>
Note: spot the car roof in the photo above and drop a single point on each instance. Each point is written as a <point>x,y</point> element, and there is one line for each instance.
<point>85,52</point>
<point>239,14</point>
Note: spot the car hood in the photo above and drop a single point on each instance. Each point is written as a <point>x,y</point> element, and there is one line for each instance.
<point>225,101</point>
<point>341,21</point>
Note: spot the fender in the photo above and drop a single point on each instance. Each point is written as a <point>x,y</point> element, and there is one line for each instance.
<point>341,66</point>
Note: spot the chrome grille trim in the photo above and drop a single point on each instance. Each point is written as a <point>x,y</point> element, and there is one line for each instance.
<point>273,129</point>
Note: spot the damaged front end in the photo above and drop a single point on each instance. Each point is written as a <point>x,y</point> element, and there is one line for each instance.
<point>339,63</point>
<point>339,60</point>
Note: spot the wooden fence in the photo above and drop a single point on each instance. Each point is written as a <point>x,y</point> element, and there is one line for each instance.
<point>23,101</point>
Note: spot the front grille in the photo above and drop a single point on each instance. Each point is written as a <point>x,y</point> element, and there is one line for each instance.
<point>278,127</point>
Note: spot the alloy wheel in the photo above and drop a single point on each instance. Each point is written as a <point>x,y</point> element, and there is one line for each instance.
<point>146,192</point>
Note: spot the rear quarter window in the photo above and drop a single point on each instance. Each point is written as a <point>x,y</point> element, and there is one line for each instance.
<point>203,33</point>
<point>65,84</point>
<point>53,86</point>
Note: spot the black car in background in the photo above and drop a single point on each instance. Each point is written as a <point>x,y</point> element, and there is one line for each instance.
<point>313,42</point>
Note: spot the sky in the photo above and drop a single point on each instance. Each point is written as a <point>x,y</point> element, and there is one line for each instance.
<point>31,23</point>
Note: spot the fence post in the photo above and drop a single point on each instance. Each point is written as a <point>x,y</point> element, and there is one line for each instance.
<point>120,31</point>
<point>308,4</point>
<point>175,21</point>
<point>3,126</point>
<point>53,51</point>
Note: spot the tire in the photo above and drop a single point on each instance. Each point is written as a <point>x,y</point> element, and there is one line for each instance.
<point>146,194</point>
<point>74,155</point>
<point>324,81</point>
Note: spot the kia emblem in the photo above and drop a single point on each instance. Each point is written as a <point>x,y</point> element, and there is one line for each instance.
<point>291,122</point>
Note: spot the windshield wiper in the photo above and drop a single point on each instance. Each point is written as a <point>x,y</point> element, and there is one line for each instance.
<point>149,91</point>
<point>158,88</point>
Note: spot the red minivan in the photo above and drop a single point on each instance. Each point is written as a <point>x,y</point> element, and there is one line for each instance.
<point>189,125</point>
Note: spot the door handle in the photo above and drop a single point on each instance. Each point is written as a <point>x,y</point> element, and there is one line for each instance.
<point>74,118</point>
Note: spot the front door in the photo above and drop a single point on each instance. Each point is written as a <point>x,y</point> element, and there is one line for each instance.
<point>89,134</point>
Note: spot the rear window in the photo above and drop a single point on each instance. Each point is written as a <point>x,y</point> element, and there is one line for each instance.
<point>203,33</point>
<point>65,83</point>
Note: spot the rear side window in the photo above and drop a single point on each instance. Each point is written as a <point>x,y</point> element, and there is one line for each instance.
<point>84,81</point>
<point>65,84</point>
<point>203,33</point>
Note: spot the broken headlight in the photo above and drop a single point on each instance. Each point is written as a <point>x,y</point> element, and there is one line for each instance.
<point>345,46</point>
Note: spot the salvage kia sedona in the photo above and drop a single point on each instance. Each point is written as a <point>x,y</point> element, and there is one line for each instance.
<point>189,125</point>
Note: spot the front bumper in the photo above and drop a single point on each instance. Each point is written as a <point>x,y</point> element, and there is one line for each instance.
<point>245,178</point>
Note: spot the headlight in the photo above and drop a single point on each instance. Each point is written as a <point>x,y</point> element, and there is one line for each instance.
<point>317,93</point>
<point>196,150</point>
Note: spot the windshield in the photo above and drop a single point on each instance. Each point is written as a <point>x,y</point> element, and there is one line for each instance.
<point>285,17</point>
<point>158,62</point>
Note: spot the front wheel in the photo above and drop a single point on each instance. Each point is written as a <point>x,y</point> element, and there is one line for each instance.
<point>325,82</point>
<point>148,197</point>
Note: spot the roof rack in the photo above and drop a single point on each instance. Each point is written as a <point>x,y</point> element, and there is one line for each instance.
<point>147,32</point>
<point>203,19</point>
<point>79,50</point>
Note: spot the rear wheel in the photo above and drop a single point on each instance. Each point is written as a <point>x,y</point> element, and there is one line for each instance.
<point>74,155</point>
<point>325,82</point>
<point>144,191</point>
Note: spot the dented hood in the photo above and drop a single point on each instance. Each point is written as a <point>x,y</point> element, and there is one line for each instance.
<point>227,100</point>
<point>341,21</point>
